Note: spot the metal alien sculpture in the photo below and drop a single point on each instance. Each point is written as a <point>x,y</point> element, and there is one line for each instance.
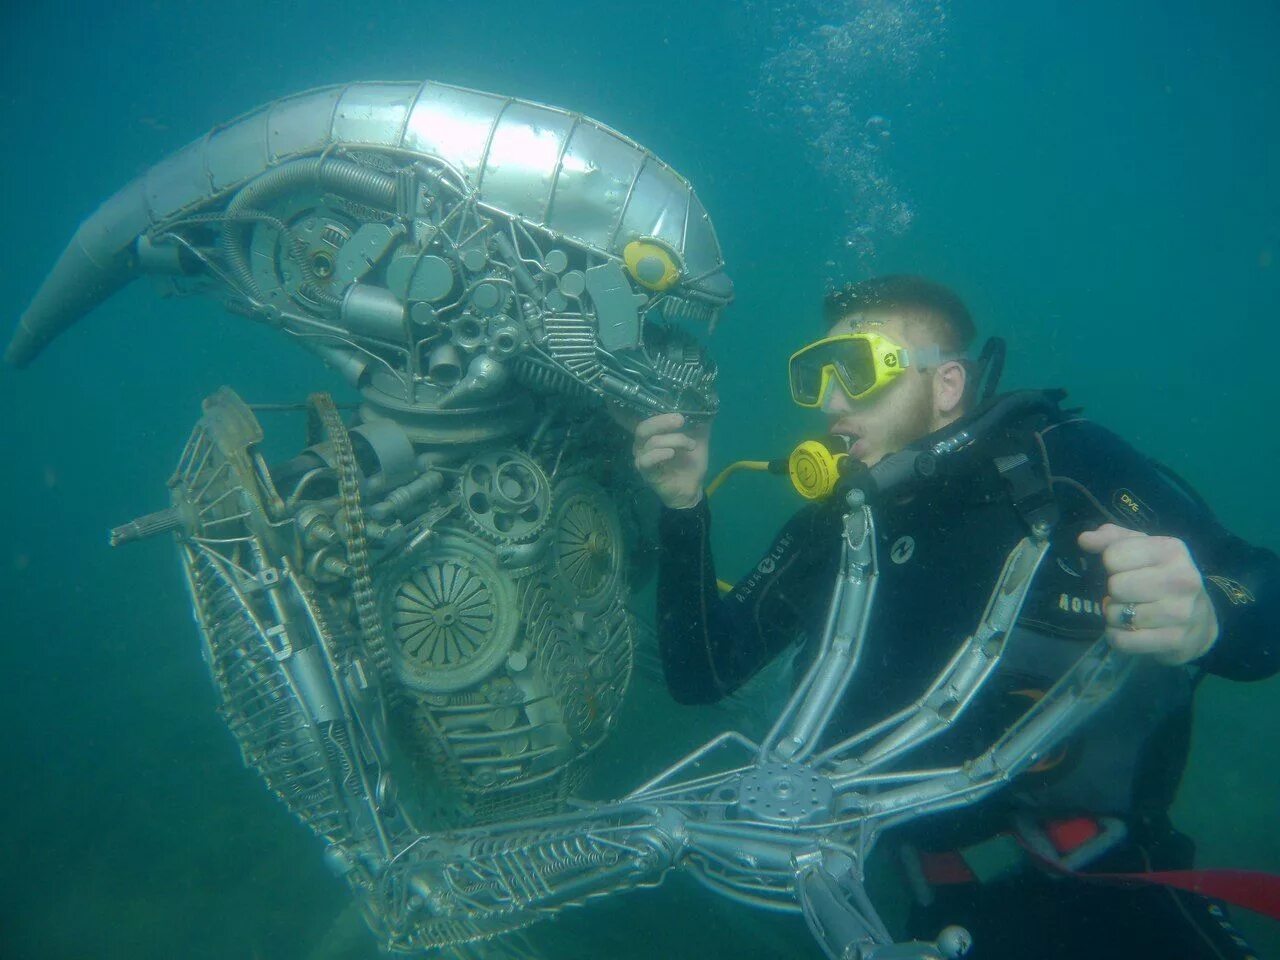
<point>418,626</point>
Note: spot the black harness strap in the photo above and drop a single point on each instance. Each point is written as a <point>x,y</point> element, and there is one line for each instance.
<point>1030,491</point>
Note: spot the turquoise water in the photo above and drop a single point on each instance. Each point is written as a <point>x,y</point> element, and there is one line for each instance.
<point>1099,184</point>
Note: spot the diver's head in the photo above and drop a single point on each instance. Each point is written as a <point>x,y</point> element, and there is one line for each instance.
<point>915,382</point>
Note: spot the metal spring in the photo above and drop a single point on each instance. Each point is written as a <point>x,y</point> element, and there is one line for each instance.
<point>337,747</point>
<point>570,853</point>
<point>490,869</point>
<point>361,212</point>
<point>542,378</point>
<point>549,853</point>
<point>353,182</point>
<point>371,159</point>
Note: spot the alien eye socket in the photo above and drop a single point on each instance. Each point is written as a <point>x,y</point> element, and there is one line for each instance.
<point>652,264</point>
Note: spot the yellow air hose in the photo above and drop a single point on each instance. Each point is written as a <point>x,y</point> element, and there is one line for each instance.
<point>814,469</point>
<point>760,466</point>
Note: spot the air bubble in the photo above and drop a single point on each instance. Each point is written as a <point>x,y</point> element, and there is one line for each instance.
<point>831,62</point>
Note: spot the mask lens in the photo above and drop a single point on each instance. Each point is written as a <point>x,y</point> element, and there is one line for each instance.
<point>806,380</point>
<point>850,358</point>
<point>855,366</point>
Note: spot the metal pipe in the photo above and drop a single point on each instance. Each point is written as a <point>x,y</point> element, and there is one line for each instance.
<point>444,365</point>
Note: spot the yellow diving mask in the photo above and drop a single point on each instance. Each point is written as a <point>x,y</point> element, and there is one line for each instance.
<point>861,363</point>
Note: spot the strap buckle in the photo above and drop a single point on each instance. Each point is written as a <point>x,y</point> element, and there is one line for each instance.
<point>1060,847</point>
<point>1066,846</point>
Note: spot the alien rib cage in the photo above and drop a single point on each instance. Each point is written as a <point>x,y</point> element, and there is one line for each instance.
<point>501,586</point>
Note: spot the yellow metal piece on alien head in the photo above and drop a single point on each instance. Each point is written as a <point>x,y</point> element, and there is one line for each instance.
<point>652,264</point>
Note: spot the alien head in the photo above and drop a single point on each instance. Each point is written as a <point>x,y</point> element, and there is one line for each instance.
<point>435,244</point>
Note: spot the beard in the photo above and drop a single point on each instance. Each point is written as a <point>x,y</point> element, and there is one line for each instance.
<point>910,418</point>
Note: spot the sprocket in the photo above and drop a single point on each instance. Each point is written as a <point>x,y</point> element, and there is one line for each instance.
<point>506,496</point>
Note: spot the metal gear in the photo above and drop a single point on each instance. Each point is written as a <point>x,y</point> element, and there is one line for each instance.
<point>587,544</point>
<point>452,614</point>
<point>506,496</point>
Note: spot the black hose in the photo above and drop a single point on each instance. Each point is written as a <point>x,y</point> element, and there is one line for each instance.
<point>991,367</point>
<point>952,452</point>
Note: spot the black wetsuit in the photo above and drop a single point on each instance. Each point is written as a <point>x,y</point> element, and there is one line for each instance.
<point>941,549</point>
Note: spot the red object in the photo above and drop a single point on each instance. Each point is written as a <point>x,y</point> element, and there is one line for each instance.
<point>947,867</point>
<point>1250,889</point>
<point>1068,835</point>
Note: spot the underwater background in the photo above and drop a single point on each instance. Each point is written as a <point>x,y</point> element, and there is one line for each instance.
<point>1097,180</point>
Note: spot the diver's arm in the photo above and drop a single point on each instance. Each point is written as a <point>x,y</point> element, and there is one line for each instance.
<point>687,598</point>
<point>710,645</point>
<point>1241,581</point>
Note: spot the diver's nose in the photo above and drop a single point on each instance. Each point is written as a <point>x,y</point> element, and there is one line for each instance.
<point>836,402</point>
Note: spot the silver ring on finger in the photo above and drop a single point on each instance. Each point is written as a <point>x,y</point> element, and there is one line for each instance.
<point>1129,616</point>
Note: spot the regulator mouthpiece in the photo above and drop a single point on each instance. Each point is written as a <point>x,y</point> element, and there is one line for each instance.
<point>815,468</point>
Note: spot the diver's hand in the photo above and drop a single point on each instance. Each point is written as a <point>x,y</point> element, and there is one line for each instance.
<point>672,458</point>
<point>1173,618</point>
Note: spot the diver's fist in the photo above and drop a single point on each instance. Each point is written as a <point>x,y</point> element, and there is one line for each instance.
<point>1156,603</point>
<point>671,457</point>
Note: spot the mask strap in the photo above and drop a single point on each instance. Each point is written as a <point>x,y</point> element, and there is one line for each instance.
<point>928,358</point>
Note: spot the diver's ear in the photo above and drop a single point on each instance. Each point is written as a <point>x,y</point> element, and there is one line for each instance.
<point>948,387</point>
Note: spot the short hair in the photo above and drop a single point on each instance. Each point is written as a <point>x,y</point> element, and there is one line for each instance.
<point>917,299</point>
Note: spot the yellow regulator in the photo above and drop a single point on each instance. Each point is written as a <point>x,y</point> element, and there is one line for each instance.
<point>814,469</point>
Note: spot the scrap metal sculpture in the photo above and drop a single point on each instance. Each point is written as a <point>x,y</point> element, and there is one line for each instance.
<point>418,627</point>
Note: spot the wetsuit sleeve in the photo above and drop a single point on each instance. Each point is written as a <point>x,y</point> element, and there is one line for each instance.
<point>1242,580</point>
<point>710,645</point>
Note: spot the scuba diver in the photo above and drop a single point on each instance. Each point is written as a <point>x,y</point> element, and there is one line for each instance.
<point>1074,857</point>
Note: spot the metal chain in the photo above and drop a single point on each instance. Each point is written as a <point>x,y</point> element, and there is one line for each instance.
<point>355,538</point>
